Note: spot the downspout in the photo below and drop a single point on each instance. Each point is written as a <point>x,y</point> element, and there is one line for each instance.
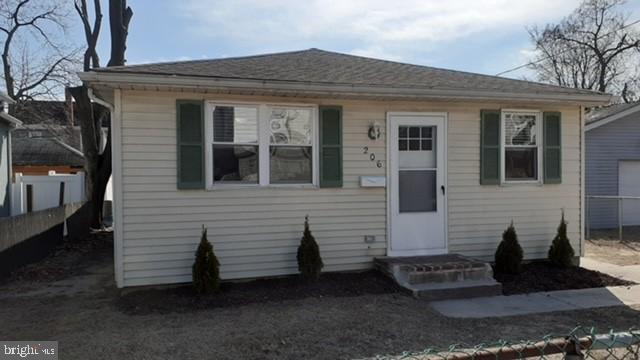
<point>584,205</point>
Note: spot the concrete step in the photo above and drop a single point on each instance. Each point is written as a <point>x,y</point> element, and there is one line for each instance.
<point>439,277</point>
<point>455,290</point>
<point>422,276</point>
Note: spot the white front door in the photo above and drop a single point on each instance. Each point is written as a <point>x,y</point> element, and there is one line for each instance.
<point>417,189</point>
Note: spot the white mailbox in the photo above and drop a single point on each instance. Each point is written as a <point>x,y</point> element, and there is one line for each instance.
<point>373,181</point>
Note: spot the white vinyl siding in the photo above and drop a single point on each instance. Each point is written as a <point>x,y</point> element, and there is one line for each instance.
<point>255,231</point>
<point>478,214</point>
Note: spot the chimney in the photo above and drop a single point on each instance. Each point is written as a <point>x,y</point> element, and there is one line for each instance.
<point>68,100</point>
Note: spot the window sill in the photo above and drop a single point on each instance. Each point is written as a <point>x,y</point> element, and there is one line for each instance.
<point>524,182</point>
<point>228,187</point>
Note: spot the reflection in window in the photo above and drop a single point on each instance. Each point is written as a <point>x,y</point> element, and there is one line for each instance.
<point>290,164</point>
<point>235,144</point>
<point>520,146</point>
<point>415,138</point>
<point>290,146</point>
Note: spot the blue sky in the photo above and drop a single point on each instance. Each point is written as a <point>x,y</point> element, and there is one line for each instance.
<point>485,36</point>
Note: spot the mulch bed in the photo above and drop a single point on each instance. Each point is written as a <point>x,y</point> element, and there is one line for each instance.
<point>184,299</point>
<point>69,258</point>
<point>543,276</point>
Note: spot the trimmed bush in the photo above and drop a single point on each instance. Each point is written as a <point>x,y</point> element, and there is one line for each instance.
<point>509,254</point>
<point>309,260</point>
<point>561,252</point>
<point>206,269</point>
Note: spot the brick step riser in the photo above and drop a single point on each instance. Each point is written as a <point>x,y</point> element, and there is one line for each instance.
<point>448,276</point>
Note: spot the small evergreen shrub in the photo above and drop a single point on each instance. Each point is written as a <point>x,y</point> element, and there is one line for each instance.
<point>508,258</point>
<point>561,252</point>
<point>309,260</point>
<point>206,269</point>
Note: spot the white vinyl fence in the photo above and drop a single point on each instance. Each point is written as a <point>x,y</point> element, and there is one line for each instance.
<point>39,192</point>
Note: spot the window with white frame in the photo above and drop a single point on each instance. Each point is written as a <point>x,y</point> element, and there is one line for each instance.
<point>260,144</point>
<point>290,145</point>
<point>235,144</point>
<point>521,146</point>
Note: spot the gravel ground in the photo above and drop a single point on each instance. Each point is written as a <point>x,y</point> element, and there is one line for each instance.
<point>81,312</point>
<point>605,246</point>
<point>313,328</point>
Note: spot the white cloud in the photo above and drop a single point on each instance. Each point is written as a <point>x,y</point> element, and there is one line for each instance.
<point>459,34</point>
<point>370,23</point>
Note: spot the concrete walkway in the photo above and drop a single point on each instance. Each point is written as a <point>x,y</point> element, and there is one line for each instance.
<point>542,302</point>
<point>630,273</point>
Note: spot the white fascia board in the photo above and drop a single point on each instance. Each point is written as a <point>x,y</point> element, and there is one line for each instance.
<point>10,119</point>
<point>128,80</point>
<point>5,98</point>
<point>611,118</point>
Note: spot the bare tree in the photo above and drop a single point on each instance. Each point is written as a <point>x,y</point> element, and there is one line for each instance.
<point>36,59</point>
<point>593,48</point>
<point>92,115</point>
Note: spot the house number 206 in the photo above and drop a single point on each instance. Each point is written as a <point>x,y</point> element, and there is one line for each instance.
<point>372,156</point>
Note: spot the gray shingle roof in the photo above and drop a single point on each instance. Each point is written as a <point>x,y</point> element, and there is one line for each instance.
<point>597,114</point>
<point>31,151</point>
<point>319,66</point>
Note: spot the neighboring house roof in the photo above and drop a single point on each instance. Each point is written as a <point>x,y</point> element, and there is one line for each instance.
<point>606,114</point>
<point>44,151</point>
<point>47,136</point>
<point>334,73</point>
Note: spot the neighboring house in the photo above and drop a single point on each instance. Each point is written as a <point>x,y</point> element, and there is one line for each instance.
<point>613,164</point>
<point>48,141</point>
<point>7,125</point>
<point>37,152</point>
<point>386,159</point>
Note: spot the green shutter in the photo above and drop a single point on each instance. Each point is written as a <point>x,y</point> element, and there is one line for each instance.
<point>190,139</point>
<point>490,147</point>
<point>552,151</point>
<point>330,146</point>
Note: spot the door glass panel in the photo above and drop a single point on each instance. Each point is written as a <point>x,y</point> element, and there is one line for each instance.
<point>416,147</point>
<point>417,190</point>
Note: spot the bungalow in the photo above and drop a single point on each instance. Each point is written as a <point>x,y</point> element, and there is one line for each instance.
<point>386,158</point>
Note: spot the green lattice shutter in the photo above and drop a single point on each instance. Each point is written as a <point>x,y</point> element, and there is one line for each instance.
<point>490,147</point>
<point>190,139</point>
<point>552,151</point>
<point>330,146</point>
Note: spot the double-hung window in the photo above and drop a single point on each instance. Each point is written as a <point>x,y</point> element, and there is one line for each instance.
<point>521,146</point>
<point>260,144</point>
<point>235,154</point>
<point>290,145</point>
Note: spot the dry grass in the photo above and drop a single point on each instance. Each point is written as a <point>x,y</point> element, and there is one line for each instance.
<point>605,246</point>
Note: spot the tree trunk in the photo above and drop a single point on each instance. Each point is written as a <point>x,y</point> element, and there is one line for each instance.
<point>90,131</point>
<point>91,115</point>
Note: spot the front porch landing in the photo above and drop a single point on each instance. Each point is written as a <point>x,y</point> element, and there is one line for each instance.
<point>439,277</point>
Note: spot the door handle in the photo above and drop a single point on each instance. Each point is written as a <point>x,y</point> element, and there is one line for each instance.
<point>442,188</point>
